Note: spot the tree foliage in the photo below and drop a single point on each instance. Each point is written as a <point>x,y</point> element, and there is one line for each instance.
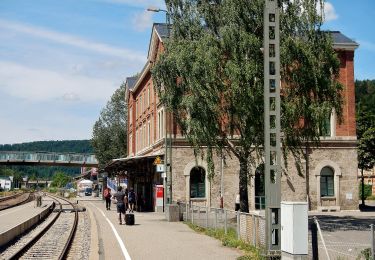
<point>211,76</point>
<point>109,131</point>
<point>63,146</point>
<point>60,179</point>
<point>365,107</point>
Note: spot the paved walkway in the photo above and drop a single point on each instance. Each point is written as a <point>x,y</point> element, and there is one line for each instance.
<point>13,216</point>
<point>151,238</point>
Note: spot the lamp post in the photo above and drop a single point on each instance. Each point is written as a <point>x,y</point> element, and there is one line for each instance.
<point>167,178</point>
<point>157,10</point>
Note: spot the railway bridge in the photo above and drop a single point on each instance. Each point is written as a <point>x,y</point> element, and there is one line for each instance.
<point>47,159</point>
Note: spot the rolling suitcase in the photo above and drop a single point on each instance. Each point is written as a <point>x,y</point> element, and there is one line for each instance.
<point>129,219</point>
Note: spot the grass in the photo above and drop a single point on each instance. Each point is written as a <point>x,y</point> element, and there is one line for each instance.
<point>230,240</point>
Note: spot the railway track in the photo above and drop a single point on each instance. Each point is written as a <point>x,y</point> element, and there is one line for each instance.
<point>51,239</point>
<point>15,200</point>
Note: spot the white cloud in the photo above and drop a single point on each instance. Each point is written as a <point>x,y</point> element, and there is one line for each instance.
<point>329,12</point>
<point>40,84</point>
<point>72,40</point>
<point>142,20</point>
<point>70,97</point>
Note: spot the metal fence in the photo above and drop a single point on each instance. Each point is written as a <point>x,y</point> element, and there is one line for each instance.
<point>249,227</point>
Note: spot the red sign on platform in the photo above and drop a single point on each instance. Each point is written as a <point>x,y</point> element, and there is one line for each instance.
<point>159,191</point>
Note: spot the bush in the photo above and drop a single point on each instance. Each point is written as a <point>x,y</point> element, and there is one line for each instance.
<point>367,190</point>
<point>230,240</point>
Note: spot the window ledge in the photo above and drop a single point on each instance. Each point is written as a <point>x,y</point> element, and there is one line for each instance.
<point>198,199</point>
<point>328,198</point>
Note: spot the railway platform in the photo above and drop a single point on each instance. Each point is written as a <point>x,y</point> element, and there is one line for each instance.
<point>13,216</point>
<point>152,237</point>
<point>15,221</point>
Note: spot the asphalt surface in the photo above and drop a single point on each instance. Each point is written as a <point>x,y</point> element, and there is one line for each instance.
<point>152,237</point>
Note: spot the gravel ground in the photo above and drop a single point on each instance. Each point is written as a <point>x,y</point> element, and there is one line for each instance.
<point>80,249</point>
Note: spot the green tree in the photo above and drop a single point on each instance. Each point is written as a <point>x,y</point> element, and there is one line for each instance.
<point>211,77</point>
<point>109,131</point>
<point>365,108</point>
<point>60,179</point>
<point>366,154</point>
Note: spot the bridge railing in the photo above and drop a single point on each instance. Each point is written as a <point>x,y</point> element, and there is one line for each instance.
<point>47,157</point>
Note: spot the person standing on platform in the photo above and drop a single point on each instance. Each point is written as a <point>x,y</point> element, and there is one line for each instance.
<point>131,198</point>
<point>120,198</point>
<point>107,197</point>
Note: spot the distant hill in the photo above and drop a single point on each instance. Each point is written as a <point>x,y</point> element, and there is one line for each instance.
<point>66,146</point>
<point>46,172</point>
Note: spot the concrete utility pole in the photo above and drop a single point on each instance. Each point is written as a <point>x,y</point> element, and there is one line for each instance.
<point>272,143</point>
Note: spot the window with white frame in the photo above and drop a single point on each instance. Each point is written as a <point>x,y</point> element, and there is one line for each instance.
<point>148,96</point>
<point>130,115</point>
<point>327,188</point>
<point>130,145</point>
<point>148,133</point>
<point>141,105</point>
<point>161,124</point>
<point>136,141</point>
<point>144,135</point>
<point>327,126</point>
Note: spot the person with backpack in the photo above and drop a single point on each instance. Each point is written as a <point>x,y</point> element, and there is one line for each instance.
<point>132,199</point>
<point>107,197</point>
<point>120,198</point>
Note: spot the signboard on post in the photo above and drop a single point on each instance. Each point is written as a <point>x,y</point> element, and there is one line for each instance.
<point>160,168</point>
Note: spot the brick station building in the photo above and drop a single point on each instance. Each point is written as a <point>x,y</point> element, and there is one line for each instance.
<point>328,180</point>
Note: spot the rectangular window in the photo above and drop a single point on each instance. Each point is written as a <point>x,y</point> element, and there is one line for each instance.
<point>148,134</point>
<point>144,136</point>
<point>149,96</point>
<point>130,115</point>
<point>130,146</point>
<point>141,105</point>
<point>326,186</point>
<point>325,126</point>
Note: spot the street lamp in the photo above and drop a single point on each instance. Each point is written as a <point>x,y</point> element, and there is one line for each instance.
<point>157,10</point>
<point>167,179</point>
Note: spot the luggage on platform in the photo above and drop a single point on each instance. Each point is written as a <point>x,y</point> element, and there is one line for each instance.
<point>129,219</point>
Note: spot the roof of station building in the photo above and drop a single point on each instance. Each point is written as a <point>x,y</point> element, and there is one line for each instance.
<point>341,39</point>
<point>162,30</point>
<point>130,81</point>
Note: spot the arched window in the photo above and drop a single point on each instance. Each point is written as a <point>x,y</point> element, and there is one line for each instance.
<point>326,182</point>
<point>197,183</point>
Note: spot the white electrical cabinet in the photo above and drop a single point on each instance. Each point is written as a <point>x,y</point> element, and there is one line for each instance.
<point>294,227</point>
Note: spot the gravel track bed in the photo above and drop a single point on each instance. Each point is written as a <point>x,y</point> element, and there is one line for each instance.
<point>80,249</point>
<point>53,241</point>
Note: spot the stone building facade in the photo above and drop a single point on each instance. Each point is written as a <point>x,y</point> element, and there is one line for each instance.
<point>327,179</point>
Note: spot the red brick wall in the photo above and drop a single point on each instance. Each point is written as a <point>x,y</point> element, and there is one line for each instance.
<point>346,77</point>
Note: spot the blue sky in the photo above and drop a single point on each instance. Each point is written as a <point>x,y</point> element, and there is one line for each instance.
<point>61,60</point>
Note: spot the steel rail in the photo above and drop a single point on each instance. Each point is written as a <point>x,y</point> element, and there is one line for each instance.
<point>36,238</point>
<point>69,243</point>
<point>16,204</point>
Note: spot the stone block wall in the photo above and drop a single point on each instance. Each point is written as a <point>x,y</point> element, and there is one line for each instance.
<point>297,185</point>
